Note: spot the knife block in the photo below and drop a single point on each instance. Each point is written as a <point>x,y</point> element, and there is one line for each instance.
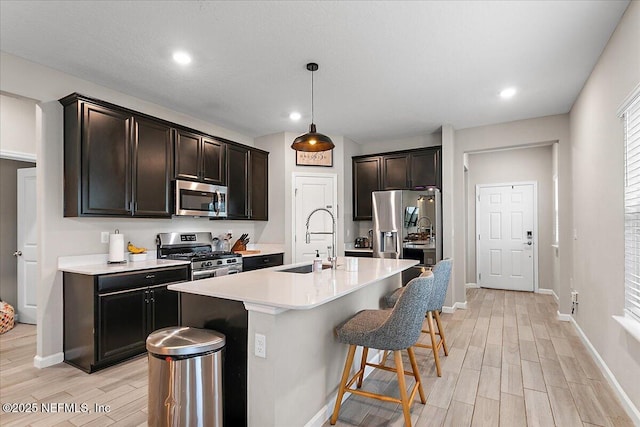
<point>239,246</point>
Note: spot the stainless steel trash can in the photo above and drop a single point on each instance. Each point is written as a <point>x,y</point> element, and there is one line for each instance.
<point>185,377</point>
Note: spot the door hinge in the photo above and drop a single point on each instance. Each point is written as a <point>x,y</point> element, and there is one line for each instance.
<point>478,237</point>
<point>295,193</point>
<point>479,277</point>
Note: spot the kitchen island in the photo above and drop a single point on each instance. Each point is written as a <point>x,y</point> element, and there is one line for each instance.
<point>294,384</point>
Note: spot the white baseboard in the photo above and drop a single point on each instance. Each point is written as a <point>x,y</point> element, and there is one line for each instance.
<point>44,362</point>
<point>549,292</point>
<point>564,317</point>
<point>471,286</point>
<point>457,305</point>
<point>627,404</point>
<point>323,415</point>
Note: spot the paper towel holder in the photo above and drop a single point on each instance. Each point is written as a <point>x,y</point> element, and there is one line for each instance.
<point>113,252</point>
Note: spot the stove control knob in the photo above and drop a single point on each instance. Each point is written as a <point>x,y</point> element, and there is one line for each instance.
<point>207,264</point>
<point>219,262</point>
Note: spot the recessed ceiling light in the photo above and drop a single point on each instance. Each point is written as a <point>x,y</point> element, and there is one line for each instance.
<point>508,92</point>
<point>182,58</point>
<point>295,116</point>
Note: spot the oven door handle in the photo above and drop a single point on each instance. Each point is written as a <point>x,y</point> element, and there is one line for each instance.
<point>202,274</point>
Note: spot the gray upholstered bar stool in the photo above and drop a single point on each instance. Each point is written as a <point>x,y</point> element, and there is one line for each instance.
<point>441,273</point>
<point>390,330</point>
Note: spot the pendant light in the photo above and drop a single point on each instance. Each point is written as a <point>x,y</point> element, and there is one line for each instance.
<point>312,141</point>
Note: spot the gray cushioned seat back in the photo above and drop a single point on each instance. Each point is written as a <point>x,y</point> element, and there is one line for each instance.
<point>441,274</point>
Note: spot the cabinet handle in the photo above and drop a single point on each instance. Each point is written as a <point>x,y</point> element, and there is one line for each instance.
<point>150,276</point>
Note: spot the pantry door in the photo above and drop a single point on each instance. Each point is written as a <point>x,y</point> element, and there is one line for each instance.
<point>312,191</point>
<point>506,238</point>
<point>27,250</point>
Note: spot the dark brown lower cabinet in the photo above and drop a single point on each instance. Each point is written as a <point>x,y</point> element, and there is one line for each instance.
<point>261,261</point>
<point>107,318</point>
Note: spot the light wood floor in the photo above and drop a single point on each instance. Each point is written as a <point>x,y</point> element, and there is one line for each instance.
<point>511,363</point>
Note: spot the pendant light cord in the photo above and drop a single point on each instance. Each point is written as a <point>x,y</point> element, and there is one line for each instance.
<point>312,96</point>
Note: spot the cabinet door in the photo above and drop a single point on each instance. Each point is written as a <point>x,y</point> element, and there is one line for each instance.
<point>395,172</point>
<point>187,157</point>
<point>122,320</point>
<point>213,161</point>
<point>259,197</point>
<point>366,179</point>
<point>164,308</point>
<point>152,168</point>
<point>237,182</point>
<point>425,169</point>
<point>106,161</point>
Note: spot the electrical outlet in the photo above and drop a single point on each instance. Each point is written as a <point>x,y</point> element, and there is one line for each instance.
<point>574,296</point>
<point>261,346</point>
<point>104,237</point>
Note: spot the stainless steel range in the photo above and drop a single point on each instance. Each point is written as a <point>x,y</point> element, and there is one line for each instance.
<point>199,249</point>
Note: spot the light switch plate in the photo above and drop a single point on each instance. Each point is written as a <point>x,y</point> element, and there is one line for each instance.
<point>104,237</point>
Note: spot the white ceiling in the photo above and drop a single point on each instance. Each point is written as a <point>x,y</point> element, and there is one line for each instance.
<point>388,70</point>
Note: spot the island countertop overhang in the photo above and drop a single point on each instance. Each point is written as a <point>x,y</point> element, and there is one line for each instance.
<point>274,289</point>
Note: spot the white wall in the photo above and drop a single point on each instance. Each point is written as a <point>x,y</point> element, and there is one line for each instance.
<point>598,167</point>
<point>280,176</point>
<point>17,128</point>
<point>517,165</point>
<point>60,236</point>
<point>523,133</point>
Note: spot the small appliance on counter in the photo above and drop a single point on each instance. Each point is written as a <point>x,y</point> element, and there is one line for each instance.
<point>362,242</point>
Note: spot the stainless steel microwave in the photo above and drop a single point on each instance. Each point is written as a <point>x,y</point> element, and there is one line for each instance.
<point>198,199</point>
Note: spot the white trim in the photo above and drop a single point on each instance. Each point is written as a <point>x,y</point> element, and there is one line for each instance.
<point>564,317</point>
<point>535,226</point>
<point>17,155</point>
<point>548,292</point>
<point>336,213</point>
<point>323,415</point>
<point>630,324</point>
<point>457,305</point>
<point>628,100</point>
<point>44,362</point>
<point>627,403</point>
<point>471,286</point>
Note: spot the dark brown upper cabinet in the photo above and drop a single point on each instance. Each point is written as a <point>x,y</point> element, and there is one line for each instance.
<point>395,171</point>
<point>152,168</point>
<point>411,170</point>
<point>366,179</point>
<point>247,183</point>
<point>103,177</point>
<point>402,170</point>
<point>199,158</point>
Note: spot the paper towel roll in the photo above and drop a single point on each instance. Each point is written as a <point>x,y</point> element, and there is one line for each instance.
<point>116,247</point>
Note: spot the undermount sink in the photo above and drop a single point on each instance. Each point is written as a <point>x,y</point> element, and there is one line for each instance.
<point>303,268</point>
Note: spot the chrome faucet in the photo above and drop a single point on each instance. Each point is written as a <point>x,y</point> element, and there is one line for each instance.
<point>333,259</point>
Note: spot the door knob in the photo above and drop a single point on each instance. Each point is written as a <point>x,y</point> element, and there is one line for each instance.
<point>17,253</point>
<point>529,243</point>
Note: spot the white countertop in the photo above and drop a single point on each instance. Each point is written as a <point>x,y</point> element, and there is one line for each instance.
<point>104,268</point>
<point>272,288</point>
<point>265,249</point>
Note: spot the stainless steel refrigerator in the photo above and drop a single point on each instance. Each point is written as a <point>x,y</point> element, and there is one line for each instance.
<point>408,224</point>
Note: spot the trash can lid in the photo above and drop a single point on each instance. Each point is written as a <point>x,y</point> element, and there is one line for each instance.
<point>184,341</point>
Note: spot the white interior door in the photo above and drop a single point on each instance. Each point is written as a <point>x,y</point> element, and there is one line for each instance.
<point>27,251</point>
<point>311,192</point>
<point>506,235</point>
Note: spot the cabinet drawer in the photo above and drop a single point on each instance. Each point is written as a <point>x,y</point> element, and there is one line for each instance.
<point>124,281</point>
<point>263,261</point>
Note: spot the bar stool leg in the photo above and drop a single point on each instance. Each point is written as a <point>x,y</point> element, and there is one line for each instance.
<point>416,374</point>
<point>343,383</point>
<point>434,343</point>
<point>363,362</point>
<point>441,333</point>
<point>403,388</point>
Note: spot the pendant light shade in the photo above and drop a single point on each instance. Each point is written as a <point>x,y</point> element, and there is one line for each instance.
<point>312,141</point>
